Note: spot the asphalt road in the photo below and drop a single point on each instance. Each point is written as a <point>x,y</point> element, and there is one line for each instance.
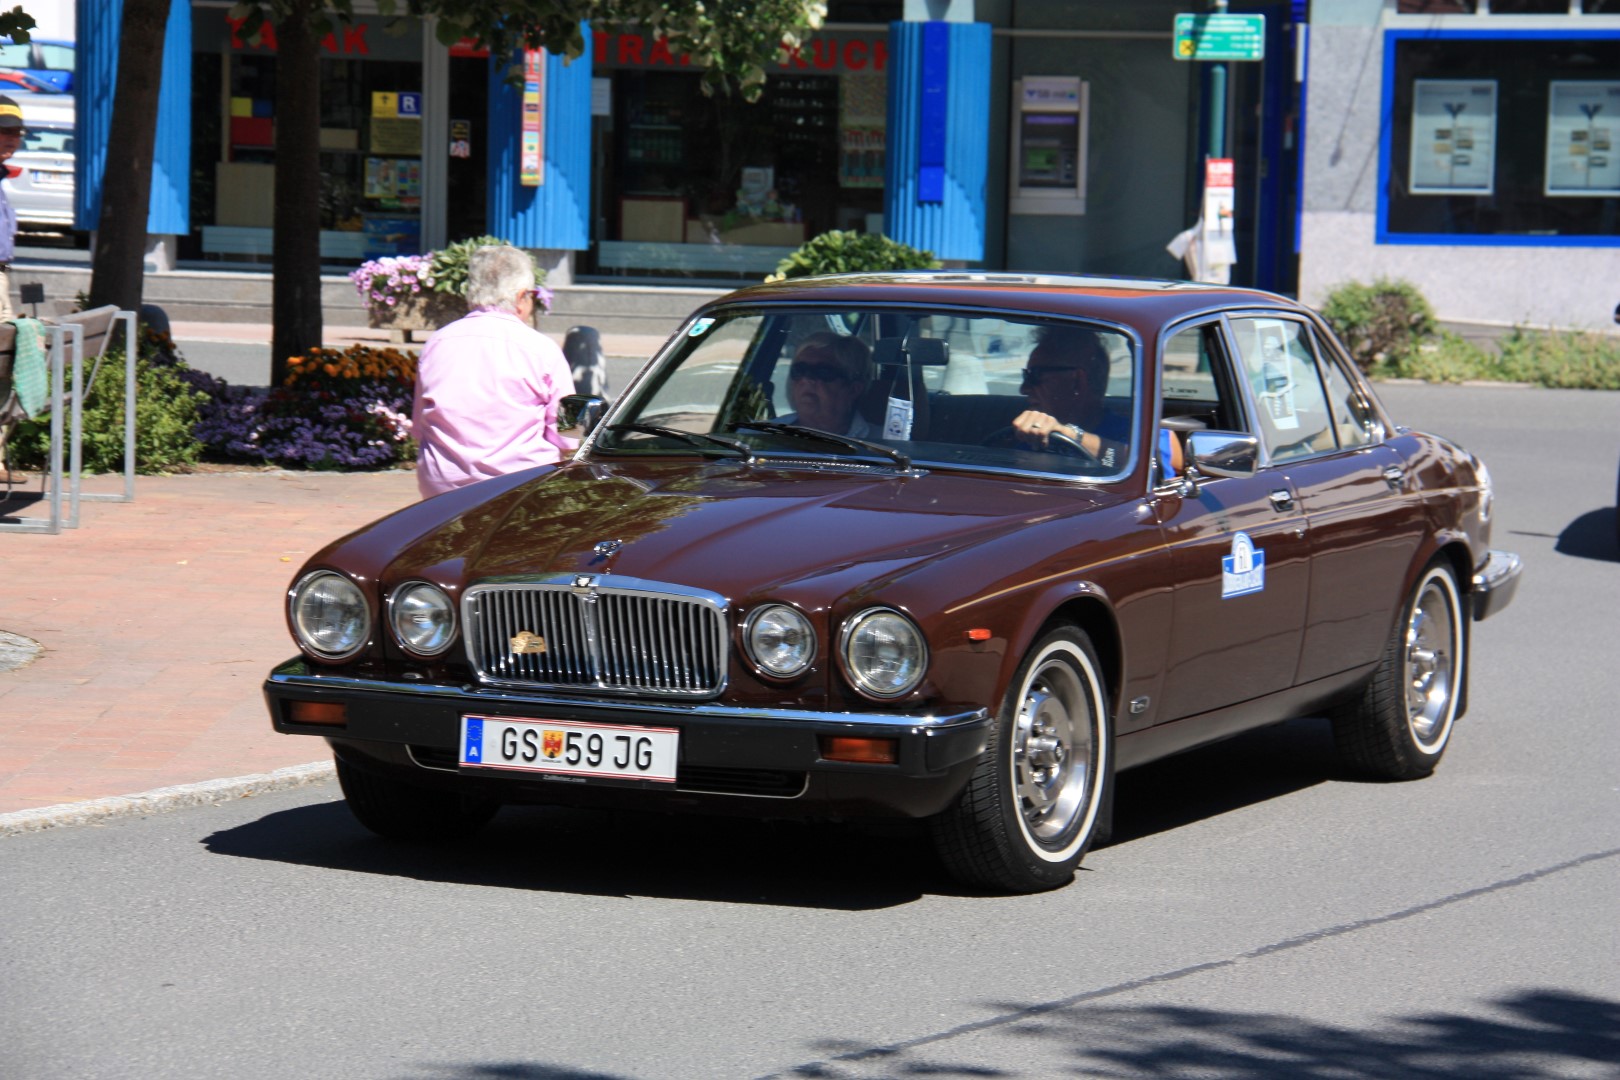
<point>1257,918</point>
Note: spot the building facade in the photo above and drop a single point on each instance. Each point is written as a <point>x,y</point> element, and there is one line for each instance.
<point>1059,136</point>
<point>1470,147</point>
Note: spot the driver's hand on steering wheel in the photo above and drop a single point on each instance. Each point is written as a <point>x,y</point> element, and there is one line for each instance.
<point>1035,427</point>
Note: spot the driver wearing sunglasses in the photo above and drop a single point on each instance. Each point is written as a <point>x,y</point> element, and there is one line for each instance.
<point>825,380</point>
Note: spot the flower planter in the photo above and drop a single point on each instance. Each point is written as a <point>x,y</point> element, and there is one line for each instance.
<point>425,311</point>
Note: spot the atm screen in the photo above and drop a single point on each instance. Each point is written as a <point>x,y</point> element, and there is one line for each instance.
<point>1049,146</point>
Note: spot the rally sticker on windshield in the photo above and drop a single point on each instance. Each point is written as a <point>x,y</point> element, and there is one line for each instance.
<point>1243,571</point>
<point>699,326</point>
<point>897,421</point>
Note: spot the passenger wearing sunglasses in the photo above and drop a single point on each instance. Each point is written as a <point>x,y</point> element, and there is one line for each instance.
<point>1064,384</point>
<point>828,374</point>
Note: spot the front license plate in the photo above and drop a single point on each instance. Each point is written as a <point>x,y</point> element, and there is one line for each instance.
<point>588,751</point>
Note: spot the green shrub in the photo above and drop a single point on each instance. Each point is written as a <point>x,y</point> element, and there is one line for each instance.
<point>852,252</point>
<point>1381,324</point>
<point>166,412</point>
<point>450,264</point>
<point>1571,359</point>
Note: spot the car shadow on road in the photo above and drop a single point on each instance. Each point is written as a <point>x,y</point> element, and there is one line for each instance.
<point>790,864</point>
<point>617,853</point>
<point>1591,536</point>
<point>1251,768</point>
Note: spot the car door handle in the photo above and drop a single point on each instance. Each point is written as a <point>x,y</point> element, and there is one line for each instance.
<point>1394,475</point>
<point>1282,501</point>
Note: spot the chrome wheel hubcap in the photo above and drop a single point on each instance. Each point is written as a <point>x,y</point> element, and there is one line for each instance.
<point>1429,665</point>
<point>1052,751</point>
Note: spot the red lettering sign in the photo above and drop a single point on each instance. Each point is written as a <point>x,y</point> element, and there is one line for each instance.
<point>353,42</point>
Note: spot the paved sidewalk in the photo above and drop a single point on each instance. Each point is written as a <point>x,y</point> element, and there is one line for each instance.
<point>159,619</point>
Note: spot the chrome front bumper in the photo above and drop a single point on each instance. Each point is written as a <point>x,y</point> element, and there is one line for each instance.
<point>1494,583</point>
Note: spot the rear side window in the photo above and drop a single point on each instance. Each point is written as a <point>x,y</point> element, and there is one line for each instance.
<point>1290,404</point>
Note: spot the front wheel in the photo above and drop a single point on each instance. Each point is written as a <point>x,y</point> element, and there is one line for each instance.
<point>1399,725</point>
<point>1041,795</point>
<point>401,811</point>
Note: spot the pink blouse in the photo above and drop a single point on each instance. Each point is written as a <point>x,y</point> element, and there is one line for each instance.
<point>487,391</point>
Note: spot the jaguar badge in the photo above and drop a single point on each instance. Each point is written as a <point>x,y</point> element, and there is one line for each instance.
<point>523,643</point>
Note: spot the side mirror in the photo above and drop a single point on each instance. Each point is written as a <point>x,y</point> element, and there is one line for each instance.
<point>1223,453</point>
<point>580,411</point>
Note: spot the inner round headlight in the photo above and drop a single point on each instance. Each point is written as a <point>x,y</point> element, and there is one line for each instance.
<point>423,618</point>
<point>329,615</point>
<point>884,653</point>
<point>780,640</point>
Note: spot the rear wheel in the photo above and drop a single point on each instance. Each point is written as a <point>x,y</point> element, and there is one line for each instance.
<point>1398,727</point>
<point>1042,793</point>
<point>402,811</point>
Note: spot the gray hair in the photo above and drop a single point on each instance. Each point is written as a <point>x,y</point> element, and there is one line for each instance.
<point>495,276</point>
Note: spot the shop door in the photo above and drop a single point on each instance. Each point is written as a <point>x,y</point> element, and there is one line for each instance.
<point>466,180</point>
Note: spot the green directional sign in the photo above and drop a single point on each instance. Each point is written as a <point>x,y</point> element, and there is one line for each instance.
<point>1220,37</point>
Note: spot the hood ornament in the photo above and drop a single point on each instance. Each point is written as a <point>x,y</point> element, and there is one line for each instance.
<point>607,548</point>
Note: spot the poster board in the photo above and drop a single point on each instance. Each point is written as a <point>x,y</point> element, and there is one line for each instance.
<point>1453,137</point>
<point>1583,126</point>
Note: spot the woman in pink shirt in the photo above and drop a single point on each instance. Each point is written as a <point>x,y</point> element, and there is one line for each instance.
<point>488,386</point>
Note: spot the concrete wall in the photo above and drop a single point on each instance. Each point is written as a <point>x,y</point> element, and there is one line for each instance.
<point>1569,287</point>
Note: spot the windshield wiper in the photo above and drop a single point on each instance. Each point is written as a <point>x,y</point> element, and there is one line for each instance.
<point>799,431</point>
<point>713,444</point>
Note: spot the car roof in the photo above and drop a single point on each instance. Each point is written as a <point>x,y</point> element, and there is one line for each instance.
<point>1146,303</point>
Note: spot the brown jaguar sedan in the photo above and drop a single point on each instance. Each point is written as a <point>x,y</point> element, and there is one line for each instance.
<point>949,547</point>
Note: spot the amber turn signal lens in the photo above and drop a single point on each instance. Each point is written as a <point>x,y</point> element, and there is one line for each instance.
<point>868,751</point>
<point>329,713</point>
<point>979,633</point>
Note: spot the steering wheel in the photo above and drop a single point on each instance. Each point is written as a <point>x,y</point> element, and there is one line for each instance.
<point>1057,442</point>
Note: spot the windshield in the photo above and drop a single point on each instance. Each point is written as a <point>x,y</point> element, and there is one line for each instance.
<point>887,388</point>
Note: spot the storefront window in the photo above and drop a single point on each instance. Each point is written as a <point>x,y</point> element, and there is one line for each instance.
<point>1506,136</point>
<point>369,189</point>
<point>700,186</point>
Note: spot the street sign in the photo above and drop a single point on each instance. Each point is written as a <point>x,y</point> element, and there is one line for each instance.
<point>1219,37</point>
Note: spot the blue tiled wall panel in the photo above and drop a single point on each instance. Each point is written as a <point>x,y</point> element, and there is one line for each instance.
<point>94,89</point>
<point>948,220</point>
<point>556,214</point>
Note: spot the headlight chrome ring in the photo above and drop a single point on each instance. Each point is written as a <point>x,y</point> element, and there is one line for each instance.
<point>329,615</point>
<point>884,653</point>
<point>780,640</point>
<point>422,617</point>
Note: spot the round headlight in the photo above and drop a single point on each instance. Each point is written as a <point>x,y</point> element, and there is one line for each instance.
<point>423,618</point>
<point>780,640</point>
<point>884,653</point>
<point>329,615</point>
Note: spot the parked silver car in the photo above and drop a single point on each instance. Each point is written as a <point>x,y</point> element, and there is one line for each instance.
<point>41,190</point>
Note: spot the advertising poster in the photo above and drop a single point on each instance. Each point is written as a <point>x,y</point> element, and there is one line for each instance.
<point>531,160</point>
<point>862,118</point>
<point>1453,137</point>
<point>1583,120</point>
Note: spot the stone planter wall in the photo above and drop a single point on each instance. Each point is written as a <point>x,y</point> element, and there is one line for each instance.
<point>425,311</point>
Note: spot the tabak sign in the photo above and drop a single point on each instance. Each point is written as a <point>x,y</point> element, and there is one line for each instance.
<point>831,53</point>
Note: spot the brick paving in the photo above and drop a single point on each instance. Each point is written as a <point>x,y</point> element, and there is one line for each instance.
<point>159,619</point>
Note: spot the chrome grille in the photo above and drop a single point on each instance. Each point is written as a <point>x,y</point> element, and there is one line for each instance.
<point>600,632</point>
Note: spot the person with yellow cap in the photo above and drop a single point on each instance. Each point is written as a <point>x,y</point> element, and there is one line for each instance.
<point>12,131</point>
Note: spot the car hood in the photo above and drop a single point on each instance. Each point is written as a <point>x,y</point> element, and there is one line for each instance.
<point>733,529</point>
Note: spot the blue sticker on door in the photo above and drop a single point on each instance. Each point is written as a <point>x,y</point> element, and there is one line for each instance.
<point>1243,571</point>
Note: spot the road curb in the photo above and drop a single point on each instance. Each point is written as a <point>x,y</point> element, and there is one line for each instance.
<point>160,800</point>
